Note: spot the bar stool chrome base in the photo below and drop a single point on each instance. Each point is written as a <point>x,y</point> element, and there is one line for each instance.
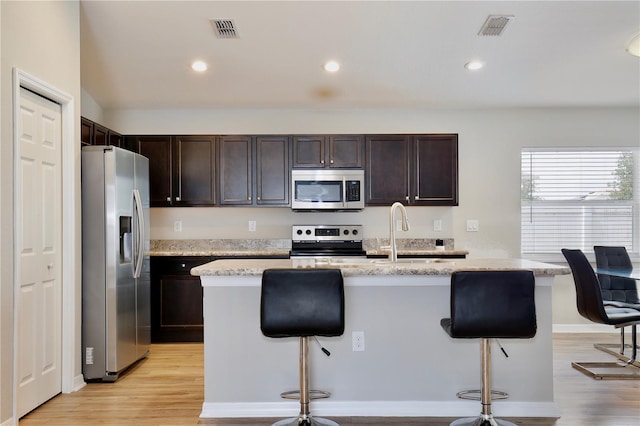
<point>485,395</point>
<point>305,395</point>
<point>482,420</point>
<point>308,421</point>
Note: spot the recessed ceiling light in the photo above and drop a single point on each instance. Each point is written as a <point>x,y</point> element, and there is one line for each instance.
<point>199,66</point>
<point>473,65</point>
<point>633,48</point>
<point>331,66</point>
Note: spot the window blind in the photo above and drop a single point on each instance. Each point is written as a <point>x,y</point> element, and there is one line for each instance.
<point>578,199</point>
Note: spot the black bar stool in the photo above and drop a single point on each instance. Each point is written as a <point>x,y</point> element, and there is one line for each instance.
<point>486,305</point>
<point>302,303</point>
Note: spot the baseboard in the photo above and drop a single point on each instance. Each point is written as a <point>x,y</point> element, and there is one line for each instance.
<point>9,422</point>
<point>78,383</point>
<point>379,409</point>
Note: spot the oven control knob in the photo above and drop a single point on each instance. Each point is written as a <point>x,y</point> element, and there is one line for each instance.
<point>354,232</point>
<point>345,232</point>
<point>308,232</point>
<point>299,232</point>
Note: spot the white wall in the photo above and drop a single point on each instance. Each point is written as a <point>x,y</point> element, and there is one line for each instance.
<point>489,160</point>
<point>90,108</point>
<point>42,39</point>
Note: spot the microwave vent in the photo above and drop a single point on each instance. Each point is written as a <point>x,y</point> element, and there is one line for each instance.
<point>495,25</point>
<point>224,28</point>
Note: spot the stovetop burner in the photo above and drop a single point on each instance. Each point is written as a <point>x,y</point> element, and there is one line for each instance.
<point>326,241</point>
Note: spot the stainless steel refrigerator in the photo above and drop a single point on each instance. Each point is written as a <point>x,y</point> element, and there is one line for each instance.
<point>116,320</point>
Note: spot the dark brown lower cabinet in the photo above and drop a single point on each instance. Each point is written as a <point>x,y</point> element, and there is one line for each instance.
<point>176,299</point>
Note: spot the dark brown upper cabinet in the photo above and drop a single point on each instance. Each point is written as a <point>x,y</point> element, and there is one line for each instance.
<point>330,151</point>
<point>86,131</point>
<point>412,169</point>
<point>158,149</point>
<point>92,133</point>
<point>100,135</point>
<point>236,170</point>
<point>254,170</point>
<point>182,169</point>
<point>387,169</point>
<point>273,179</point>
<point>435,170</point>
<point>194,174</point>
<point>115,139</point>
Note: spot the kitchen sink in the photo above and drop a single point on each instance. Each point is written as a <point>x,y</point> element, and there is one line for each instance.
<point>355,262</point>
<point>401,261</point>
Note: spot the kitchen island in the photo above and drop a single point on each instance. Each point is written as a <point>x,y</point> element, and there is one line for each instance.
<point>409,366</point>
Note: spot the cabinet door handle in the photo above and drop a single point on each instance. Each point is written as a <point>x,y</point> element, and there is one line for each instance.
<point>416,197</point>
<point>406,198</point>
<point>322,162</point>
<point>169,199</point>
<point>331,161</point>
<point>177,198</point>
<point>249,199</point>
<point>182,265</point>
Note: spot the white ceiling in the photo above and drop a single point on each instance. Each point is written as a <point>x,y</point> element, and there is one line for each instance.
<point>394,54</point>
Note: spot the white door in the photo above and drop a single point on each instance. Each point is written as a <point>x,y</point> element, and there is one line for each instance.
<point>38,229</point>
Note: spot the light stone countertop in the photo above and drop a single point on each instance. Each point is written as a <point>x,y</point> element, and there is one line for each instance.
<point>359,267</point>
<point>281,247</point>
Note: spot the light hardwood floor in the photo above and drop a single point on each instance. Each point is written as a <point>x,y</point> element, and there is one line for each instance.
<point>167,389</point>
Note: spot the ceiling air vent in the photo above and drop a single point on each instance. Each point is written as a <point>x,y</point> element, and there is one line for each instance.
<point>224,28</point>
<point>495,25</point>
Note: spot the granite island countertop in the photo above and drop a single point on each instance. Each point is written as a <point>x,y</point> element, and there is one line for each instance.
<point>281,247</point>
<point>359,267</point>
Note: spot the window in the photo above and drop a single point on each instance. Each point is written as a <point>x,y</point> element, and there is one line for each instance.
<point>578,199</point>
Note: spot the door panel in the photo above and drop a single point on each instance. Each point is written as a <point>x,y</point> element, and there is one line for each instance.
<point>272,170</point>
<point>158,150</point>
<point>38,251</point>
<point>387,169</point>
<point>195,170</point>
<point>235,170</point>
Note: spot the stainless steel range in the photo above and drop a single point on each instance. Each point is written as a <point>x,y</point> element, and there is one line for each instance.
<point>318,241</point>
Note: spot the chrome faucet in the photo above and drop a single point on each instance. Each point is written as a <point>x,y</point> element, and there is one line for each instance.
<point>392,248</point>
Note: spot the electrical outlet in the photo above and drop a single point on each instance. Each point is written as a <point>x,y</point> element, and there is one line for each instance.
<point>357,340</point>
<point>437,225</point>
<point>252,226</point>
<point>177,226</point>
<point>473,225</point>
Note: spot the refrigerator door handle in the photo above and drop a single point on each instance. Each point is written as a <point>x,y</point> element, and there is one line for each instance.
<point>138,243</point>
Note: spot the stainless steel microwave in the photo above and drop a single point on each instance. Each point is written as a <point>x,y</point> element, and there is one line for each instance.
<point>327,189</point>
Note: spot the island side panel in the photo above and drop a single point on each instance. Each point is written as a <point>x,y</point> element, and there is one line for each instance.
<point>407,356</point>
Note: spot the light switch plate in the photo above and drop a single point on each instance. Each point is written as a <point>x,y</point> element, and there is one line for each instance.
<point>437,225</point>
<point>252,226</point>
<point>177,226</point>
<point>473,225</point>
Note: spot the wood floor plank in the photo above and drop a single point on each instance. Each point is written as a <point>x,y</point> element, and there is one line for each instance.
<point>167,390</point>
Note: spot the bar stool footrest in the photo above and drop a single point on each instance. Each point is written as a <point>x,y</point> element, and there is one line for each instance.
<point>309,421</point>
<point>481,421</point>
<point>476,394</point>
<point>313,394</point>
